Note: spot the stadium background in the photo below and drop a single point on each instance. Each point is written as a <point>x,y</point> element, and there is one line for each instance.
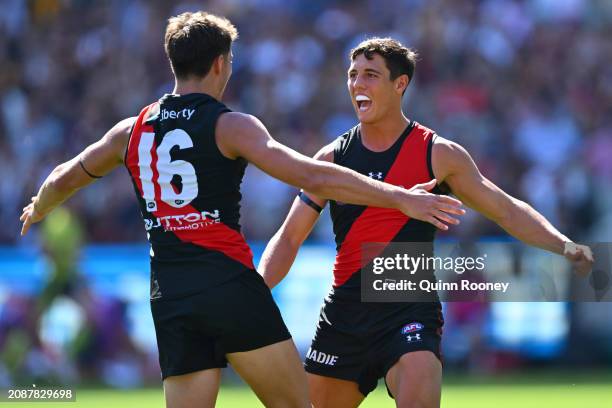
<point>525,86</point>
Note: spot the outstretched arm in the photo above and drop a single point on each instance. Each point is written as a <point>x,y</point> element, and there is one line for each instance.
<point>453,165</point>
<point>66,179</point>
<point>283,247</point>
<point>240,135</point>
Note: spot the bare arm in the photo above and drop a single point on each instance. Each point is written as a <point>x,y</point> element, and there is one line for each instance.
<point>240,135</point>
<point>283,247</point>
<point>67,178</point>
<point>453,165</point>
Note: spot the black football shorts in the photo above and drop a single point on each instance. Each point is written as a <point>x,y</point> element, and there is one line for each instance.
<point>194,333</point>
<point>360,342</point>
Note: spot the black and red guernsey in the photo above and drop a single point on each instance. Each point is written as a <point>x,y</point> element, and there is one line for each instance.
<point>406,163</point>
<point>189,196</point>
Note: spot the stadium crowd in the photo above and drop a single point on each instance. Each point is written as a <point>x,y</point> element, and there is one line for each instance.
<point>524,85</point>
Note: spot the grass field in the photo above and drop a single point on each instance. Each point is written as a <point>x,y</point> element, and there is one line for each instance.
<point>474,393</point>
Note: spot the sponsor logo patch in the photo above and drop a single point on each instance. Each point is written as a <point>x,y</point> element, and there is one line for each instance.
<point>320,357</point>
<point>171,114</point>
<point>191,221</point>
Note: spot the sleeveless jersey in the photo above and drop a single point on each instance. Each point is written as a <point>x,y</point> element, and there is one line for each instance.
<point>406,163</point>
<point>189,196</point>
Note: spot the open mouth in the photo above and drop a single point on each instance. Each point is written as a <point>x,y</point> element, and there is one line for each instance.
<point>363,103</point>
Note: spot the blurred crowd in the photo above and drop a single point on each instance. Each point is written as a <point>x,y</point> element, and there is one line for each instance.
<point>67,332</point>
<point>524,85</point>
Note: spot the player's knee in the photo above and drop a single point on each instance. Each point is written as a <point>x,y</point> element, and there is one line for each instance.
<point>410,397</point>
<point>415,381</point>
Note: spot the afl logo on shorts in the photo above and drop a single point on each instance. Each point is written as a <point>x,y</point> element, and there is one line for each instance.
<point>412,327</point>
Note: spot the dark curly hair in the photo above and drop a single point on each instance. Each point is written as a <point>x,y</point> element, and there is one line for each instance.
<point>400,60</point>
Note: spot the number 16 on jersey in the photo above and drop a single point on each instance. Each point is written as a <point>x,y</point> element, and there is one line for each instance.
<point>166,169</point>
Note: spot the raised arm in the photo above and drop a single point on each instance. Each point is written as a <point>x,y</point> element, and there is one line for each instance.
<point>283,247</point>
<point>95,161</point>
<point>240,135</point>
<point>453,165</point>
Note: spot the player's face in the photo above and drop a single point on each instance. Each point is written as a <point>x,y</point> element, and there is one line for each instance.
<point>372,91</point>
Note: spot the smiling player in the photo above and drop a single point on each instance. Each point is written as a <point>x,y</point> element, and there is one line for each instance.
<point>186,155</point>
<point>357,343</point>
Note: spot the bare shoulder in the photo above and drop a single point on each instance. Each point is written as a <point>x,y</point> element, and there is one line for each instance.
<point>326,153</point>
<point>234,123</point>
<point>120,133</point>
<point>235,131</point>
<point>448,155</point>
<point>117,138</point>
<point>446,148</point>
<point>126,124</point>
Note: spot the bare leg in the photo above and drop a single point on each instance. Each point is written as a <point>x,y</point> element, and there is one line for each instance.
<point>328,392</point>
<point>415,381</point>
<point>275,374</point>
<point>193,390</point>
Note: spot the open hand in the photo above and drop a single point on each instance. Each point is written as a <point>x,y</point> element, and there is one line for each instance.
<point>432,208</point>
<point>30,216</point>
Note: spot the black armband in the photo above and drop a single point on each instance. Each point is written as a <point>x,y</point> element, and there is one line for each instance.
<point>85,170</point>
<point>310,203</point>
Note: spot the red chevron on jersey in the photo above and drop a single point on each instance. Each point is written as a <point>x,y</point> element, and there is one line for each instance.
<point>131,157</point>
<point>382,224</point>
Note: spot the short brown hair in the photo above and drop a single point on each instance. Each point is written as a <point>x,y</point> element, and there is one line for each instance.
<point>400,60</point>
<point>194,40</point>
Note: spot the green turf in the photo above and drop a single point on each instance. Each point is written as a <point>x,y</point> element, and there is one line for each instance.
<point>562,395</point>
